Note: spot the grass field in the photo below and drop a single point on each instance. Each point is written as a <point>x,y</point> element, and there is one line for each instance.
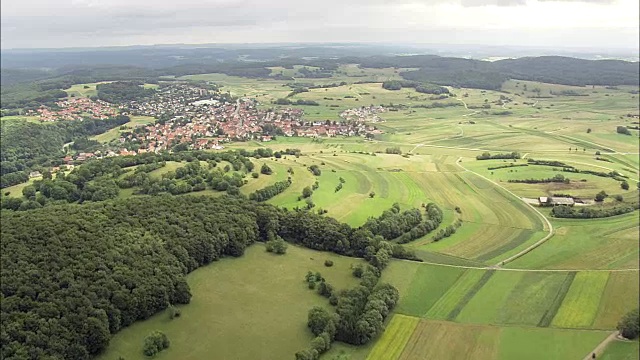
<point>237,309</point>
<point>447,340</point>
<point>609,243</point>
<point>114,133</point>
<point>621,350</point>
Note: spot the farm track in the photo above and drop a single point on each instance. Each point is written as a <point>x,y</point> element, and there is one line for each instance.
<point>600,348</point>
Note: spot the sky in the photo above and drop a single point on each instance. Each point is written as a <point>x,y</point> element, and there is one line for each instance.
<point>606,24</point>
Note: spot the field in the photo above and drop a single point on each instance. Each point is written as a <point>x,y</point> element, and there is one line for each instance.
<point>237,310</point>
<point>447,340</point>
<point>621,350</point>
<point>114,133</point>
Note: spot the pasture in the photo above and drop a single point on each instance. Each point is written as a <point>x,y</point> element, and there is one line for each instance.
<point>251,307</point>
<point>621,350</point>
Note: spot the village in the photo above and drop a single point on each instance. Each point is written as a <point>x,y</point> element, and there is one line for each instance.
<point>199,118</point>
<point>75,109</point>
<point>203,119</point>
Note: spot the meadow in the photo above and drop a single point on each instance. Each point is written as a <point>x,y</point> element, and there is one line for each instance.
<point>246,308</point>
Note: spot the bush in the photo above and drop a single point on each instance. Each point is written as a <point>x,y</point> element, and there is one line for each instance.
<point>328,263</point>
<point>255,175</point>
<point>601,196</point>
<point>174,312</point>
<point>278,246</point>
<point>618,197</point>
<point>624,185</point>
<point>265,169</point>
<point>629,325</point>
<point>154,343</point>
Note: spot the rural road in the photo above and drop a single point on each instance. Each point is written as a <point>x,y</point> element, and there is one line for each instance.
<point>600,348</point>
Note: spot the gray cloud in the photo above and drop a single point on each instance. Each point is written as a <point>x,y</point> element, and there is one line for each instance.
<point>63,23</point>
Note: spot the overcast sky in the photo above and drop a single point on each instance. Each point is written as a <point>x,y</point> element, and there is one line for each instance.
<point>79,23</point>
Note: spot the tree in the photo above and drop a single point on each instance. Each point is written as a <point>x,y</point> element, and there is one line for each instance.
<point>372,194</point>
<point>307,192</point>
<point>629,325</point>
<point>154,343</point>
<point>318,320</point>
<point>277,246</point>
<point>601,196</point>
<point>29,191</point>
<point>624,185</point>
<point>265,169</point>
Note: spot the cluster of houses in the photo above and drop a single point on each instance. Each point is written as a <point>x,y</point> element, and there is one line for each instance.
<point>364,113</point>
<point>75,109</point>
<point>203,119</point>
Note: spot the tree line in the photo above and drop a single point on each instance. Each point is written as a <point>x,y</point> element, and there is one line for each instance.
<point>488,156</point>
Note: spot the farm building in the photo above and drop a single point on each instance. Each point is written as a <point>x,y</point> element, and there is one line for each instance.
<point>553,201</point>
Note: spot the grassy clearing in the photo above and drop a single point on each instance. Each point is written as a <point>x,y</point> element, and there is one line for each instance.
<point>581,304</point>
<point>33,119</point>
<point>621,350</point>
<point>428,285</point>
<point>396,335</point>
<point>237,302</point>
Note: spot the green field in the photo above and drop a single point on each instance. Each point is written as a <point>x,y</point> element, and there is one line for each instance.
<point>237,302</point>
<point>621,350</point>
<point>581,303</point>
<point>114,133</point>
<point>447,340</point>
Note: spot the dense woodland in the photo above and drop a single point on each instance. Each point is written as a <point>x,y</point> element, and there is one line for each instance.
<point>57,304</point>
<point>123,91</point>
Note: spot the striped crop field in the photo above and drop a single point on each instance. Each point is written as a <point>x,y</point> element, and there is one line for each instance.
<point>450,304</point>
<point>581,304</point>
<point>396,335</point>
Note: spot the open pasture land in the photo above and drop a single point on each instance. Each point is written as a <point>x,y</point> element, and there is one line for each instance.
<point>609,243</point>
<point>433,339</point>
<point>252,307</point>
<point>618,298</point>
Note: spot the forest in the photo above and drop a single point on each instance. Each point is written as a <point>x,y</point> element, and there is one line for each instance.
<point>56,303</point>
<point>123,91</point>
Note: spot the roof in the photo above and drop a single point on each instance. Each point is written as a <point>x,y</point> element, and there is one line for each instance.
<point>562,201</point>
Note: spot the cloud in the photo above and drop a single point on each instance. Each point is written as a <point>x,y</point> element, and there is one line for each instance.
<point>45,23</point>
